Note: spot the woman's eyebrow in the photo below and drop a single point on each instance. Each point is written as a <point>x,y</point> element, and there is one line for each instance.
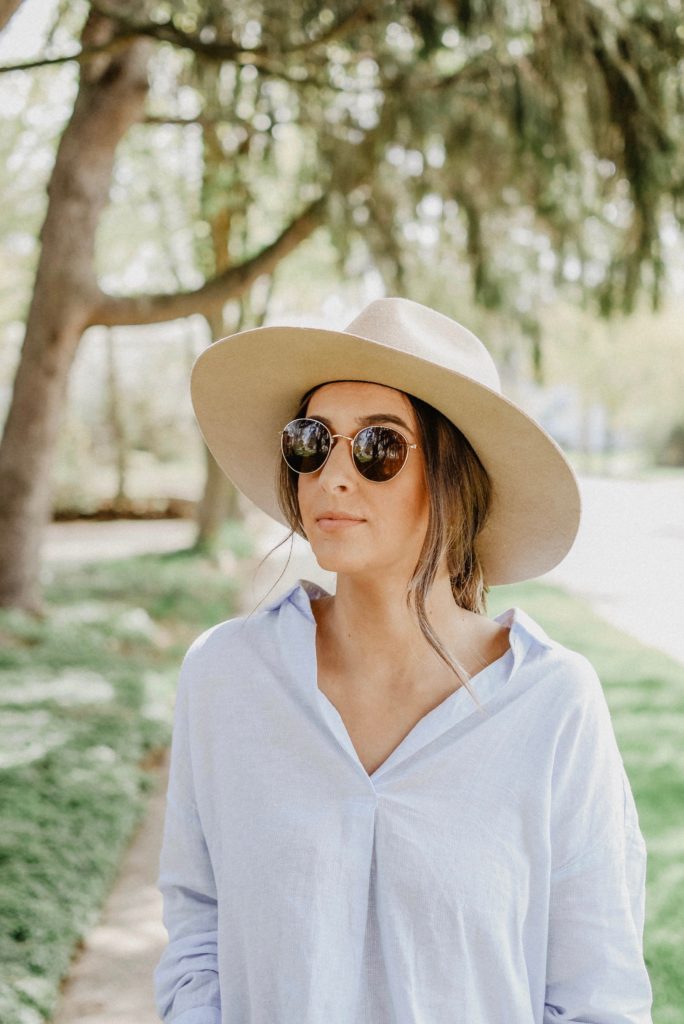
<point>365,421</point>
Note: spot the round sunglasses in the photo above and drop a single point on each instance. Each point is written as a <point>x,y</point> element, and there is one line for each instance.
<point>378,453</point>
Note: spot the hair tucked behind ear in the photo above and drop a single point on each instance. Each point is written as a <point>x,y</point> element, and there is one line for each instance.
<point>460,494</point>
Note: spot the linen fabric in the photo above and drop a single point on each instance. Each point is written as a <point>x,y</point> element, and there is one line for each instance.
<point>490,871</point>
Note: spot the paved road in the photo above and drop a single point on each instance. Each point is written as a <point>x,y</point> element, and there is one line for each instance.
<point>84,540</point>
<point>627,561</point>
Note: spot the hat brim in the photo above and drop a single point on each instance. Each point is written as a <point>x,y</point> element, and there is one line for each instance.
<point>246,387</point>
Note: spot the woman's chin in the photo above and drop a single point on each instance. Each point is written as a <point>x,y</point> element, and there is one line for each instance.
<point>330,563</point>
<point>338,561</point>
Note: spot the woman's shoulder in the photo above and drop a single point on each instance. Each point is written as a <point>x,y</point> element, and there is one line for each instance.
<point>566,674</point>
<point>253,635</point>
<point>570,706</point>
<point>239,632</point>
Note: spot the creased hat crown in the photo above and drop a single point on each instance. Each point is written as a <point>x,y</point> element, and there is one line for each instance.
<point>247,386</point>
<point>424,332</point>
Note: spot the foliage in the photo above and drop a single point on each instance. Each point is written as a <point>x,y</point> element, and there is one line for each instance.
<point>33,110</point>
<point>530,145</point>
<point>527,147</point>
<point>87,698</point>
<point>631,365</point>
<point>522,149</point>
<point>553,129</point>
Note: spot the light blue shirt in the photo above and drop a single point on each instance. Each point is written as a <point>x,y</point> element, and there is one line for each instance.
<point>490,871</point>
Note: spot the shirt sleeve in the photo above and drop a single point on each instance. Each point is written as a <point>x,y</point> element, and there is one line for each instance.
<point>186,982</point>
<point>595,966</point>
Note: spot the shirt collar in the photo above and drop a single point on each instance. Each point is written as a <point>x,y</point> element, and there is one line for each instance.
<point>520,622</point>
<point>300,594</point>
<point>304,591</point>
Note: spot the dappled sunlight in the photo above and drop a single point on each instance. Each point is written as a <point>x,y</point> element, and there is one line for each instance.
<point>158,696</point>
<point>136,622</point>
<point>668,880</point>
<point>667,754</point>
<point>668,843</point>
<point>107,982</point>
<point>120,619</point>
<point>38,989</point>
<point>27,736</point>
<point>70,688</point>
<point>111,981</point>
<point>133,928</point>
<point>85,612</point>
<point>518,168</point>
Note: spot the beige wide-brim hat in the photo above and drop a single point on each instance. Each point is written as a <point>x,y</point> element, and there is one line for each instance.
<point>246,387</point>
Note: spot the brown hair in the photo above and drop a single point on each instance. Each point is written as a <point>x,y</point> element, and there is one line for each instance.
<point>460,494</point>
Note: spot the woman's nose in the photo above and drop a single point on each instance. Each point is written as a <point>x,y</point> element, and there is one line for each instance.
<point>339,466</point>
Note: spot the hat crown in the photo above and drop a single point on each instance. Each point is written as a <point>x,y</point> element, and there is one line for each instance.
<point>411,327</point>
<point>245,387</point>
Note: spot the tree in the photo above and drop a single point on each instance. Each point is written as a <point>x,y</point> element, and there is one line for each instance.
<point>520,125</point>
<point>111,97</point>
<point>67,298</point>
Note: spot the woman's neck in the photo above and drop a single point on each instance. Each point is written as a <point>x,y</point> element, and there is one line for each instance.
<point>367,627</point>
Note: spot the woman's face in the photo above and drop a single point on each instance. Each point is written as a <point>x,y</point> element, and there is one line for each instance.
<point>388,520</point>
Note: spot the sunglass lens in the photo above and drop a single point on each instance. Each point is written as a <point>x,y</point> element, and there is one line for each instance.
<point>379,453</point>
<point>305,445</point>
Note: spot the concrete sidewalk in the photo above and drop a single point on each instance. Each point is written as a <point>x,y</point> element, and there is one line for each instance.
<point>627,562</point>
<point>111,978</point>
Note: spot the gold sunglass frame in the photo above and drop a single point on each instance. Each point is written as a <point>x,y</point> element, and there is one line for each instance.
<point>333,437</point>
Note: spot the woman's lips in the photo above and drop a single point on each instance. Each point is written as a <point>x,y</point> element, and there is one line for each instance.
<point>333,525</point>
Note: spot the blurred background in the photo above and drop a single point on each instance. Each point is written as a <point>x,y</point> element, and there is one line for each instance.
<point>171,173</point>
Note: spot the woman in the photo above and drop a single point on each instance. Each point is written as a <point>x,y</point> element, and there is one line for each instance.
<point>383,806</point>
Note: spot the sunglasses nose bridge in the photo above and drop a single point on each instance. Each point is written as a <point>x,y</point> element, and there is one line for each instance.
<point>334,438</point>
<point>343,436</point>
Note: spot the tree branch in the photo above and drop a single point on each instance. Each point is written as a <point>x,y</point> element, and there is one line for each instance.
<point>199,120</point>
<point>114,310</point>
<point>168,32</point>
<point>352,164</point>
<point>607,41</point>
<point>263,58</point>
<point>118,44</point>
<point>122,40</point>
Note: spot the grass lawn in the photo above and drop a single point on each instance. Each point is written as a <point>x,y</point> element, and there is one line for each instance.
<point>86,707</point>
<point>86,700</point>
<point>645,692</point>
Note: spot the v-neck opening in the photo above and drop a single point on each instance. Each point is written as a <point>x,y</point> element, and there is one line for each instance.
<point>419,725</point>
<point>415,737</point>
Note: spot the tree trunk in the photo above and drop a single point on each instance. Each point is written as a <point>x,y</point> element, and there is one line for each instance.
<point>219,502</point>
<point>111,97</point>
<point>219,498</point>
<point>67,297</point>
<point>117,424</point>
